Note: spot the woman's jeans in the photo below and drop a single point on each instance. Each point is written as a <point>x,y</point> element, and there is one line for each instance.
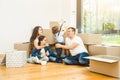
<point>78,59</point>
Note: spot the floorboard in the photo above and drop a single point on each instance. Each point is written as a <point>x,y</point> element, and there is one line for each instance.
<point>51,71</point>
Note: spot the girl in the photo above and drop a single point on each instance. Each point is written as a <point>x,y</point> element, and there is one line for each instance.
<point>40,54</point>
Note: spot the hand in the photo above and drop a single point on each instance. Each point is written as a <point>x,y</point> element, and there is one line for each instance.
<point>58,46</point>
<point>43,55</point>
<point>42,46</point>
<point>46,44</point>
<point>47,53</point>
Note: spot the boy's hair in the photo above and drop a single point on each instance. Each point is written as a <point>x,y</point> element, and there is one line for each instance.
<point>40,39</point>
<point>55,29</point>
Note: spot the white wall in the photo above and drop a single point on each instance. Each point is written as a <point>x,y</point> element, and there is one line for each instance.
<point>18,17</point>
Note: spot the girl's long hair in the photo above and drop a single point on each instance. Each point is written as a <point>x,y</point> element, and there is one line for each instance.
<point>33,37</point>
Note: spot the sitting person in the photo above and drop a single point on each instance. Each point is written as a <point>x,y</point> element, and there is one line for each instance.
<point>34,41</point>
<point>59,39</point>
<point>40,54</point>
<point>76,47</point>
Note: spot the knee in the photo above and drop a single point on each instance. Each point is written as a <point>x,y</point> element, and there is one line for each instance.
<point>46,58</point>
<point>52,59</point>
<point>83,61</point>
<point>67,61</point>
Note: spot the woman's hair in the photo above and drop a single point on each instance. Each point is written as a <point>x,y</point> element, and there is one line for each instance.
<point>33,37</point>
<point>40,39</point>
<point>55,29</point>
<point>35,33</point>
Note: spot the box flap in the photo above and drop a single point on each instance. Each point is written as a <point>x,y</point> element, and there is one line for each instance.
<point>104,58</point>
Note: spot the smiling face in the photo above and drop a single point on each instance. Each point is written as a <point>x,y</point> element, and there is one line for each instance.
<point>70,32</point>
<point>40,31</point>
<point>43,42</point>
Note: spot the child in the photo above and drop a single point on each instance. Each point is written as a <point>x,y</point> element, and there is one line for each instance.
<point>40,54</point>
<point>59,39</point>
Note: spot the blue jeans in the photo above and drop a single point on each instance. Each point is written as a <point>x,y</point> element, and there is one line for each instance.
<point>59,51</point>
<point>78,59</point>
<point>35,53</point>
<point>52,55</point>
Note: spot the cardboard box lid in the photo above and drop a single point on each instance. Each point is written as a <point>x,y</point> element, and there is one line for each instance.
<point>104,58</point>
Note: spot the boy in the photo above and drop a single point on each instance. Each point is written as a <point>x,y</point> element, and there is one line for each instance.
<point>59,39</point>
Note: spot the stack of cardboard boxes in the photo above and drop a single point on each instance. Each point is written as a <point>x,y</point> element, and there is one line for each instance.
<point>105,58</point>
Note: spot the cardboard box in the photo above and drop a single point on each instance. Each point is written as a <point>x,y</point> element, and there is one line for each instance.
<point>91,38</point>
<point>107,65</point>
<point>50,37</point>
<point>24,46</point>
<point>53,23</point>
<point>86,46</point>
<point>104,50</point>
<point>2,59</point>
<point>16,58</point>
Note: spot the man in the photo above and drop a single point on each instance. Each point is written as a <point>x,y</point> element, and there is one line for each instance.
<point>76,48</point>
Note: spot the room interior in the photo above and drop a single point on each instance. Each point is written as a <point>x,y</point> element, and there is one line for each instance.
<point>96,24</point>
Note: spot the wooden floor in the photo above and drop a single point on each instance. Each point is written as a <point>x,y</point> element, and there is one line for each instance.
<point>52,71</point>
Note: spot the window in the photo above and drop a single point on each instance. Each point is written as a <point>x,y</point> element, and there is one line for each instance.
<point>102,16</point>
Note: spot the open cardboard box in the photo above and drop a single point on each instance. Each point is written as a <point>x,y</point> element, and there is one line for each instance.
<point>105,64</point>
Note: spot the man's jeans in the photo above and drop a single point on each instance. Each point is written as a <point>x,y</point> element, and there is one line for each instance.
<point>78,59</point>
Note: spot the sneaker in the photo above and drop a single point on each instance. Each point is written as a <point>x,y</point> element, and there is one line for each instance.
<point>36,60</point>
<point>63,56</point>
<point>58,60</point>
<point>30,60</point>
